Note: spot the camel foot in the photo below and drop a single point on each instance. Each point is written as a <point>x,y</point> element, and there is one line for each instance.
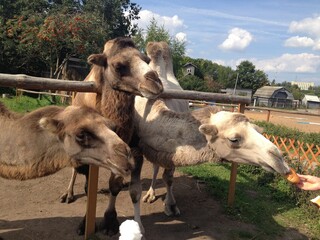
<point>149,197</point>
<point>171,210</point>
<point>67,198</point>
<point>110,224</point>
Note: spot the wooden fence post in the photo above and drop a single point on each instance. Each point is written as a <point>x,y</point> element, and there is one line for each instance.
<point>91,201</point>
<point>233,174</point>
<point>268,116</point>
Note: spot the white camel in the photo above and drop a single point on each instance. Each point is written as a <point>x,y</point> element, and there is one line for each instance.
<point>170,139</point>
<point>161,62</point>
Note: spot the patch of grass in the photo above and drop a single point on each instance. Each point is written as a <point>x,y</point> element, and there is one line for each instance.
<point>26,103</point>
<point>262,198</point>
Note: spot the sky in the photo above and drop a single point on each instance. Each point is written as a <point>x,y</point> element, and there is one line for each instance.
<point>282,37</point>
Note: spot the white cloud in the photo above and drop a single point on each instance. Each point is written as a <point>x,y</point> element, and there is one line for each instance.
<point>181,36</point>
<point>286,63</point>
<point>309,26</point>
<point>238,39</point>
<point>219,61</point>
<point>298,41</point>
<point>299,63</point>
<point>173,24</point>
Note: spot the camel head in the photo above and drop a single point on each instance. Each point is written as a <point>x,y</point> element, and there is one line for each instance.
<point>235,139</point>
<point>87,138</point>
<point>126,68</point>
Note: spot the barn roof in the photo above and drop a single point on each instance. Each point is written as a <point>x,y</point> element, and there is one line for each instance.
<point>268,91</point>
<point>188,64</point>
<point>312,98</point>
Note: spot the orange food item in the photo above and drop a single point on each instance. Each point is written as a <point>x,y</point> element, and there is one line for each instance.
<point>293,177</point>
<point>316,201</point>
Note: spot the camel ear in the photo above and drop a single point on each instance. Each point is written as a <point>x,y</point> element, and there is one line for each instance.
<point>257,128</point>
<point>51,125</point>
<point>208,129</point>
<point>98,59</point>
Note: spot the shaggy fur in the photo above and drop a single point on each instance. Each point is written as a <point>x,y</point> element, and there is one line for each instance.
<point>120,72</point>
<point>46,140</point>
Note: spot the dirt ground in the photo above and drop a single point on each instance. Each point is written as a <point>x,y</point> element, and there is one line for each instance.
<point>31,209</point>
<point>303,123</point>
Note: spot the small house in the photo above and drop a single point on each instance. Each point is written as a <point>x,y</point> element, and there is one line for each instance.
<point>311,101</point>
<point>189,69</point>
<point>273,96</point>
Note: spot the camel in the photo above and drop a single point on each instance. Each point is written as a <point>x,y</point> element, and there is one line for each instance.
<point>161,62</point>
<point>170,138</point>
<point>121,72</point>
<point>46,140</point>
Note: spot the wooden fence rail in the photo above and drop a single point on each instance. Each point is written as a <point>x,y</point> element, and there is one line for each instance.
<point>28,82</point>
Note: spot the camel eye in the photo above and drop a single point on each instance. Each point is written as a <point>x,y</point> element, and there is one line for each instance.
<point>84,138</point>
<point>235,140</point>
<point>121,68</point>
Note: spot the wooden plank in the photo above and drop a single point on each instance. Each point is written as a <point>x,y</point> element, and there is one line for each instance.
<point>28,82</point>
<point>233,174</point>
<point>91,201</point>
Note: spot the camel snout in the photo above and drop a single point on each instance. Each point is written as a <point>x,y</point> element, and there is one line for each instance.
<point>278,164</point>
<point>152,86</point>
<point>124,159</point>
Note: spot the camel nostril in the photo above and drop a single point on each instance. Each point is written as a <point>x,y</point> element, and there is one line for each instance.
<point>152,76</point>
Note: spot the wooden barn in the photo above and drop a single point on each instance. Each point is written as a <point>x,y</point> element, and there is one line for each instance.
<point>273,96</point>
<point>311,101</point>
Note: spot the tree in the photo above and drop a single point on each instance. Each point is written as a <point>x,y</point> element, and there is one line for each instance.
<point>192,82</point>
<point>38,35</point>
<point>249,77</point>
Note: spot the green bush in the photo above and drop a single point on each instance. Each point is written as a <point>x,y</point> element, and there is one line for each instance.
<point>285,132</point>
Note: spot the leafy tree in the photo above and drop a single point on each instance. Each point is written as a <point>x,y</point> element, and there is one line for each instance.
<point>249,77</point>
<point>37,35</point>
<point>215,76</point>
<point>192,82</point>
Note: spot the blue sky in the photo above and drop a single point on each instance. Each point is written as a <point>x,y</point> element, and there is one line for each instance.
<point>282,38</point>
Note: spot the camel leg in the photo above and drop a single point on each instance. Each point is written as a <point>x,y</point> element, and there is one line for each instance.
<point>150,196</point>
<point>68,196</point>
<point>170,208</point>
<point>110,224</point>
<point>135,188</point>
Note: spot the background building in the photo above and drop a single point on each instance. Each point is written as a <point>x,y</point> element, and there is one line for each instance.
<point>303,85</point>
<point>273,96</point>
<point>311,101</point>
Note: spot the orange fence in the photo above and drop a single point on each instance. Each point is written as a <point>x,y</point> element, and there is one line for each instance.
<point>305,153</point>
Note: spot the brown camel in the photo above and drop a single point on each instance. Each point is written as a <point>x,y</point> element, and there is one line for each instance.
<point>121,72</point>
<point>48,139</point>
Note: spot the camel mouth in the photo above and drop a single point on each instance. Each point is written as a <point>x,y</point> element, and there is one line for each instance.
<point>116,169</point>
<point>108,164</point>
<point>151,92</point>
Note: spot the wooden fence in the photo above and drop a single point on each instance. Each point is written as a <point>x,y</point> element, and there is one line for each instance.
<point>306,154</point>
<point>28,82</point>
